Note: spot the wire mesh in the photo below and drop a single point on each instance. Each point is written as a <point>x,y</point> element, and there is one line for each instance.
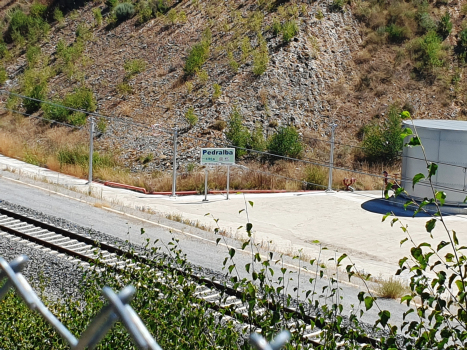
<point>117,308</point>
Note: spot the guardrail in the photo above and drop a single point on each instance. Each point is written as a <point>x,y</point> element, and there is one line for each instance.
<point>117,308</point>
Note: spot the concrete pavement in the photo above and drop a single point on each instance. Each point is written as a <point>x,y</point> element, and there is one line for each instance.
<point>287,222</point>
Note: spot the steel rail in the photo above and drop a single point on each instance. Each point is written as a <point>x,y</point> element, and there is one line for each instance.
<point>225,290</point>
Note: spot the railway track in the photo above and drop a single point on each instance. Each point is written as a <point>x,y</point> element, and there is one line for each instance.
<point>218,295</point>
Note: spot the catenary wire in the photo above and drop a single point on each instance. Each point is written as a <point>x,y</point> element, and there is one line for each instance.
<point>152,127</point>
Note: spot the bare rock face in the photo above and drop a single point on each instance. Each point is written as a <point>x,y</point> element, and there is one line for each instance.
<point>309,81</point>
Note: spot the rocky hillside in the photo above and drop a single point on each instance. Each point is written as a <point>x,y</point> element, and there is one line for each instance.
<point>340,65</point>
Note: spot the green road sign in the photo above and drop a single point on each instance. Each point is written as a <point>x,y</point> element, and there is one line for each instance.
<point>213,156</point>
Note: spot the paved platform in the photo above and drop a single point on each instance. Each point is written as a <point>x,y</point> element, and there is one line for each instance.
<point>342,222</point>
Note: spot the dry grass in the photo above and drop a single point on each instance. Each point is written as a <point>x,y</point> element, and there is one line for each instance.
<point>391,288</point>
<point>40,144</point>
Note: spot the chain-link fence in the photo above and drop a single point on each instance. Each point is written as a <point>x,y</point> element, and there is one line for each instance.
<point>117,308</point>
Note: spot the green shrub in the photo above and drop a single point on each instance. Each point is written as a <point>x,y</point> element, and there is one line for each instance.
<point>289,30</point>
<point>396,34</point>
<point>3,75</point>
<point>276,27</point>
<point>191,117</point>
<point>257,140</point>
<point>70,54</point>
<point>445,25</point>
<point>38,10</point>
<point>286,142</point>
<point>217,91</point>
<point>463,38</point>
<point>111,3</point>
<point>160,6</point>
<point>58,15</point>
<point>97,16</point>
<point>134,67</point>
<point>124,11</point>
<point>33,54</point>
<point>237,134</point>
<point>426,22</point>
<point>39,92</point>
<point>143,11</point>
<point>3,50</point>
<point>199,53</point>
<point>382,142</point>
<point>82,98</point>
<point>338,5</point>
<point>27,27</point>
<point>260,57</point>
<point>429,51</point>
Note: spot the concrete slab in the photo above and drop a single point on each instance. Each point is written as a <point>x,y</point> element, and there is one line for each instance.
<point>289,223</point>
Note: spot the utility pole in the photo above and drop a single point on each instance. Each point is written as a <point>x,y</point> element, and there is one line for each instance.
<point>91,151</point>
<point>331,159</point>
<point>174,175</point>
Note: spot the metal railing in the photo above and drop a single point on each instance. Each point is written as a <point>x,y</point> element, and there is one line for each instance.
<point>117,308</point>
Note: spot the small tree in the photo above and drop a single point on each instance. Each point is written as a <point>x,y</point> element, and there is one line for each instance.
<point>286,142</point>
<point>382,142</point>
<point>124,11</point>
<point>237,133</point>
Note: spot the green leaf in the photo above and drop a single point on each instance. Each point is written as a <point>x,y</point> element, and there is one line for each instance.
<point>449,257</point>
<point>403,241</point>
<point>245,244</point>
<point>231,252</point>
<point>432,168</point>
<point>240,211</point>
<point>441,245</point>
<point>361,296</point>
<point>386,215</point>
<point>406,204</point>
<point>251,203</point>
<point>430,225</point>
<point>405,115</point>
<point>384,317</point>
<point>249,226</point>
<point>315,241</point>
<point>407,298</point>
<point>414,141</point>
<point>454,237</point>
<point>218,240</point>
<point>406,132</point>
<point>342,257</point>
<point>417,179</point>
<point>465,200</point>
<point>440,196</point>
<point>368,303</point>
<point>393,221</point>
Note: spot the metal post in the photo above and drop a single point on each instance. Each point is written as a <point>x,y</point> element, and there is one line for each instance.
<point>228,180</point>
<point>331,159</point>
<point>174,177</point>
<point>205,185</point>
<point>91,151</point>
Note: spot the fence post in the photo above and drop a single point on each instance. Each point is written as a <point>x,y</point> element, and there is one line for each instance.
<point>174,176</point>
<point>91,151</point>
<point>331,159</point>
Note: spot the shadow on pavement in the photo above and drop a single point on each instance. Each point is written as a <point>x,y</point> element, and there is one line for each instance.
<point>383,206</point>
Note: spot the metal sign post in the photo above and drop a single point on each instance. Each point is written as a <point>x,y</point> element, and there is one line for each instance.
<point>228,180</point>
<point>205,185</point>
<point>217,156</point>
<point>331,159</point>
